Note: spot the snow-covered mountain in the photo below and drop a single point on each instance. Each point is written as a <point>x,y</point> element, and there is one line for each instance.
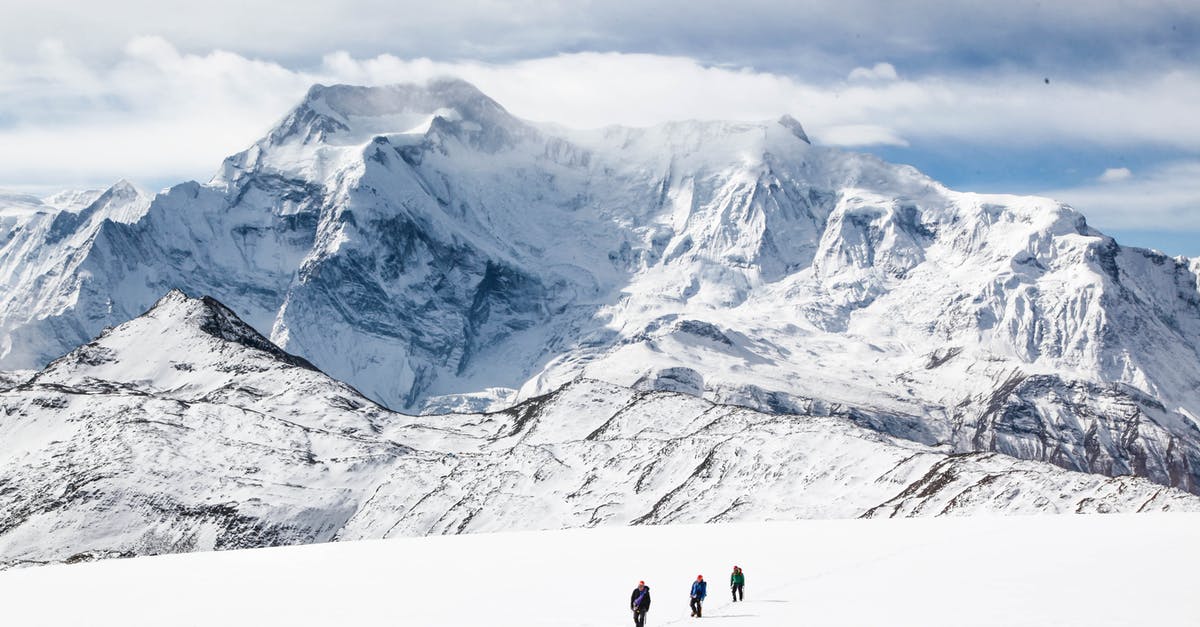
<point>48,253</point>
<point>437,253</point>
<point>184,429</point>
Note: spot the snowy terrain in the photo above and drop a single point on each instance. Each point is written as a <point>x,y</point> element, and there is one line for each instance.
<point>438,254</point>
<point>1091,571</point>
<point>185,430</point>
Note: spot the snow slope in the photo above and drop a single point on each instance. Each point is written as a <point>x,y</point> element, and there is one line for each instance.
<point>185,430</point>
<point>437,253</point>
<point>1017,571</point>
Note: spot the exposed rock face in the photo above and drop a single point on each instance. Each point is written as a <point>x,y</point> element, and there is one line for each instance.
<point>1111,430</point>
<point>682,380</point>
<point>185,430</point>
<point>433,251</point>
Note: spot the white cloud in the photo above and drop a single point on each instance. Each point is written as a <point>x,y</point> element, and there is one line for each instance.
<point>1112,175</point>
<point>1168,197</point>
<point>878,72</point>
<point>158,114</point>
<point>808,35</point>
<point>860,135</point>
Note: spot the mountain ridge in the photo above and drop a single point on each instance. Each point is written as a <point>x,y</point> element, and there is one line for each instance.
<point>161,436</point>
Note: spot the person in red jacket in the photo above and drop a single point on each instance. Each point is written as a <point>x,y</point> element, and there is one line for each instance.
<point>639,602</point>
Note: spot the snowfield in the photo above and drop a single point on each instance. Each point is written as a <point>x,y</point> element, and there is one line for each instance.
<point>1090,571</point>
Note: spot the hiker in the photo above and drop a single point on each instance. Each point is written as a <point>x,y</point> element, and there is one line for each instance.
<point>736,581</point>
<point>699,591</point>
<point>639,602</point>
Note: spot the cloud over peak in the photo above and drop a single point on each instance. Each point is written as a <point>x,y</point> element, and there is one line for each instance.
<point>157,114</point>
<point>1112,175</point>
<point>877,72</point>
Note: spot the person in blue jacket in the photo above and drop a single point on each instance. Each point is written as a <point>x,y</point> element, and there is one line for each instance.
<point>699,591</point>
<point>639,602</point>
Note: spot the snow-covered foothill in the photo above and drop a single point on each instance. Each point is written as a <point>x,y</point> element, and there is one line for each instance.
<point>185,430</point>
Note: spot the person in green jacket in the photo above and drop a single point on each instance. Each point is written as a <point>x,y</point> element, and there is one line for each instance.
<point>736,581</point>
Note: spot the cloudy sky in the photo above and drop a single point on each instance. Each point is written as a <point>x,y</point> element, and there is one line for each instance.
<point>1095,103</point>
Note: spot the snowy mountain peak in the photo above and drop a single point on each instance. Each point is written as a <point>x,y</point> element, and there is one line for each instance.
<point>123,188</point>
<point>362,100</point>
<point>183,345</point>
<point>123,202</point>
<point>207,315</point>
<point>350,114</point>
<point>78,217</point>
